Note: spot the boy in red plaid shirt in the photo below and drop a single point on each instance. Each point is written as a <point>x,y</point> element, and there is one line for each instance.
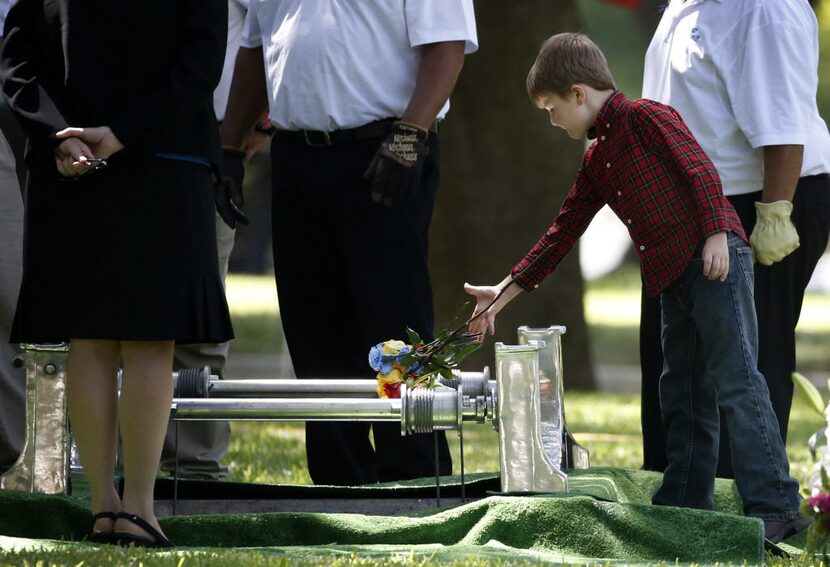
<point>646,165</point>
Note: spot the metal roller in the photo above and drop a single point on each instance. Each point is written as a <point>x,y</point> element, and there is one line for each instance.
<point>291,409</point>
<point>200,383</point>
<point>419,410</point>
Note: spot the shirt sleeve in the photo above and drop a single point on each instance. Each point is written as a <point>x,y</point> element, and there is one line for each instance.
<point>579,207</point>
<point>4,9</point>
<point>434,21</point>
<point>771,80</point>
<point>236,19</point>
<point>663,131</point>
<point>251,32</point>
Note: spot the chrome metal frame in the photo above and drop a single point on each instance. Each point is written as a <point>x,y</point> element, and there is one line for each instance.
<point>43,462</point>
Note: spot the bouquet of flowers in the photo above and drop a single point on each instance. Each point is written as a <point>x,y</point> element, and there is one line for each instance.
<point>417,364</point>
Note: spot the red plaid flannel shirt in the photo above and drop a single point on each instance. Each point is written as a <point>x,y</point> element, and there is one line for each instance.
<point>646,165</point>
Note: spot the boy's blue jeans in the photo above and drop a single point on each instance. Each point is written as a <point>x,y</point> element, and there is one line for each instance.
<point>710,346</point>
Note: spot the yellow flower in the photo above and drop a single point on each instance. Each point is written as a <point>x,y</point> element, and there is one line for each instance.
<point>393,347</point>
<point>391,377</point>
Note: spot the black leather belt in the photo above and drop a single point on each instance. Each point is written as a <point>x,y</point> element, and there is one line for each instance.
<point>318,138</point>
<point>322,139</point>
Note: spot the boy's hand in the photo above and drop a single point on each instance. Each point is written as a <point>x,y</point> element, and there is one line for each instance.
<point>715,257</point>
<point>484,296</point>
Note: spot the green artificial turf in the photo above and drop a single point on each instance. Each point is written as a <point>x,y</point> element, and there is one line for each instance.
<point>606,516</point>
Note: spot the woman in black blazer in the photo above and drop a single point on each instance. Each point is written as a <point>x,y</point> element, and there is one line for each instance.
<point>120,260</point>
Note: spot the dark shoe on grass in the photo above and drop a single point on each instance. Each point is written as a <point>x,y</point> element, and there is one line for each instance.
<point>127,539</point>
<point>102,537</point>
<point>778,531</point>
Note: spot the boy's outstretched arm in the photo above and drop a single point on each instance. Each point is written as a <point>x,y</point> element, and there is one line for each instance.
<point>486,322</point>
<point>715,257</point>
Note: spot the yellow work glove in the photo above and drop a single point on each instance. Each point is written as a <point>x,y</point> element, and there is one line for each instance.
<point>774,236</point>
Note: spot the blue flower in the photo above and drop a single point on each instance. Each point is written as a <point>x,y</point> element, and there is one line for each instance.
<point>376,357</point>
<point>386,362</point>
<point>384,355</point>
<point>415,370</point>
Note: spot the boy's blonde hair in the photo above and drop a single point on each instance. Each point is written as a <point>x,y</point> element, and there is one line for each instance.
<point>564,60</point>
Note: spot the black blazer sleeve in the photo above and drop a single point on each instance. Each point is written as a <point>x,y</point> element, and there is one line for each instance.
<point>165,112</point>
<point>23,71</point>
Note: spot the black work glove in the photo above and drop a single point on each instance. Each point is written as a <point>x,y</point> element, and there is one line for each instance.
<point>395,170</point>
<point>229,198</point>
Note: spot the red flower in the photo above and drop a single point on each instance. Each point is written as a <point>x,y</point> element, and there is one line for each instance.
<point>392,390</point>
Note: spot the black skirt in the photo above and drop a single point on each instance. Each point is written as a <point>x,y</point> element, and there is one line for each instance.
<point>124,253</point>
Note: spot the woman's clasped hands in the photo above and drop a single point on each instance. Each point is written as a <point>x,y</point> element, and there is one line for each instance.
<point>85,149</point>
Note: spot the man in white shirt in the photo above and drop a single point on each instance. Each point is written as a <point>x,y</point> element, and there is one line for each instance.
<point>743,75</point>
<point>353,89</point>
<point>12,380</point>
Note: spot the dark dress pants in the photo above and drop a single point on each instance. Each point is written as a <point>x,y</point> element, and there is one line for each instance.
<point>779,293</point>
<point>350,274</point>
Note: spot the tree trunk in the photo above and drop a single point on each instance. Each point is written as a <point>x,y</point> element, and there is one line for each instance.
<point>505,173</point>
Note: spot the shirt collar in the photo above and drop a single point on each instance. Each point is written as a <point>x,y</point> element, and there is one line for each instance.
<point>607,114</point>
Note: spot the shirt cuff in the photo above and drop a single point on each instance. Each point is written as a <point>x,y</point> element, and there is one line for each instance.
<point>786,139</point>
<point>526,280</point>
<point>440,36</point>
<point>250,43</point>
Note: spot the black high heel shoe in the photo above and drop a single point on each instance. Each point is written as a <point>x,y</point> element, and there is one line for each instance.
<point>102,537</point>
<point>126,539</point>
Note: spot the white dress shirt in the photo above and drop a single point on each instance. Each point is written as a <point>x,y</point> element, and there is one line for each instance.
<point>334,64</point>
<point>743,74</point>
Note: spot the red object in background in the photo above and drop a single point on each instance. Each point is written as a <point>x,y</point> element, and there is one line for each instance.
<point>630,4</point>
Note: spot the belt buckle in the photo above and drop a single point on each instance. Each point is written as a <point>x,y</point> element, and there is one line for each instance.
<point>309,140</point>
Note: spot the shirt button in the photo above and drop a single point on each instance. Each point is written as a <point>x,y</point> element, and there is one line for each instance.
<point>607,165</point>
<point>619,193</point>
<point>608,125</point>
<point>628,221</point>
<point>642,248</point>
<point>535,286</point>
<point>602,138</point>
